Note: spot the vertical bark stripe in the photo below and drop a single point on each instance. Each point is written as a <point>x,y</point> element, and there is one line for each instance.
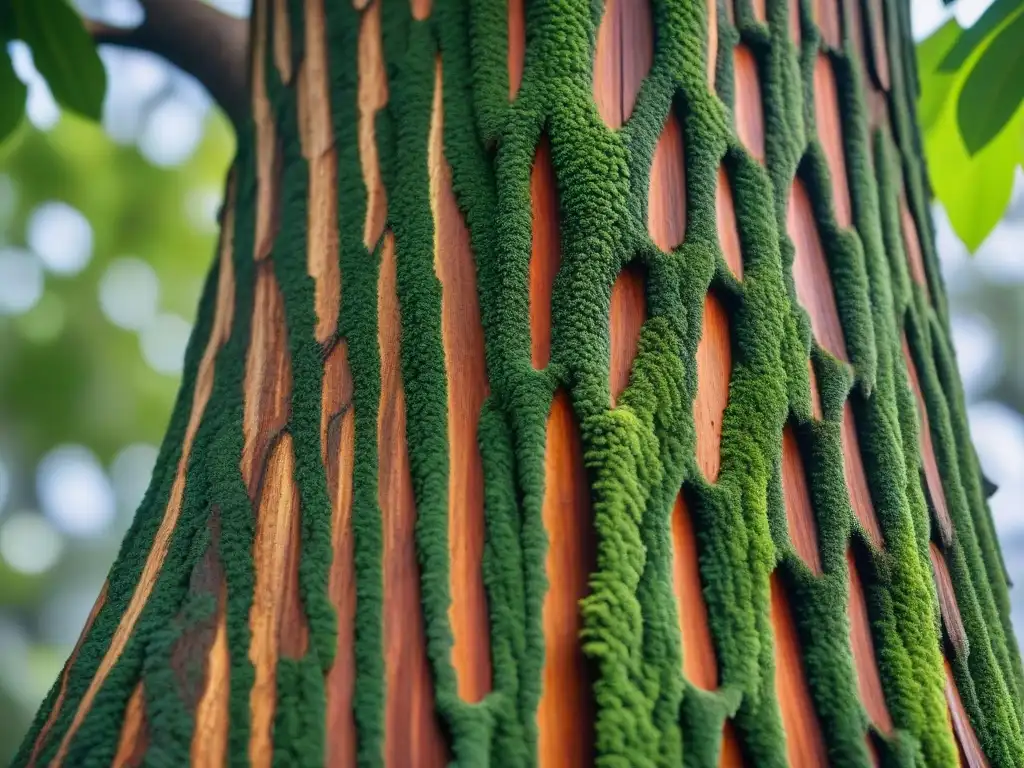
<point>829,125</point>
<point>714,369</point>
<point>210,738</point>
<point>565,717</point>
<point>267,386</point>
<point>869,681</point>
<point>282,41</point>
<point>856,479</point>
<point>700,665</point>
<point>412,733</point>
<point>462,336</point>
<point>970,748</point>
<point>879,43</point>
<point>516,46</point>
<point>933,479</point>
<point>162,540</point>
<point>912,244</point>
<point>725,221</point>
<point>731,756</point>
<point>826,16</point>
<point>338,439</point>
<point>267,154</point>
<point>666,196</point>
<point>625,52</point>
<point>272,618</point>
<point>805,744</point>
<point>545,256</point>
<point>948,607</point>
<point>854,20</point>
<point>803,528</point>
<point>317,136</point>
<point>131,746</point>
<point>421,9</point>
<point>816,411</point>
<point>627,313</point>
<point>811,274</point>
<point>372,96</point>
<point>68,666</point>
<point>748,107</point>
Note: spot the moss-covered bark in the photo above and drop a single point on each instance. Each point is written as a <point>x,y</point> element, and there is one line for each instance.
<point>451,445</point>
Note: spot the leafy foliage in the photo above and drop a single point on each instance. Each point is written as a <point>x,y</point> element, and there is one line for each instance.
<point>63,52</point>
<point>972,87</point>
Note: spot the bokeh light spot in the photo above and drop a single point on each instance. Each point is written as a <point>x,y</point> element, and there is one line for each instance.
<point>21,281</point>
<point>74,491</point>
<point>163,343</point>
<point>130,472</point>
<point>171,133</point>
<point>129,292</point>
<point>62,237</point>
<point>29,544</point>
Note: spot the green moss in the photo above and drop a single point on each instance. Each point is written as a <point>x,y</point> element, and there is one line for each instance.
<point>639,454</point>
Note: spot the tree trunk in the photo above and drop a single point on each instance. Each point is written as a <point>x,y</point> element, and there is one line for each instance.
<point>574,386</point>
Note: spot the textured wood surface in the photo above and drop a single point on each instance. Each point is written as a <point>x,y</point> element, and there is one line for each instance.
<point>626,315</point>
<point>826,15</point>
<point>338,442</point>
<point>749,108</point>
<point>714,367</point>
<point>725,221</point>
<point>131,747</point>
<point>625,51</point>
<point>373,95</point>
<point>856,479</point>
<point>869,681</point>
<point>700,666</point>
<point>565,718</point>
<point>805,744</point>
<point>933,479</point>
<point>803,528</point>
<point>912,244</point>
<point>276,621</point>
<point>950,611</point>
<point>811,275</point>
<point>462,337</point>
<point>316,134</point>
<point>666,197</point>
<point>971,755</point>
<point>829,126</point>
<point>412,733</point>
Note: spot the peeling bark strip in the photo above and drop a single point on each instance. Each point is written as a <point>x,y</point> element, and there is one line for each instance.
<point>550,411</point>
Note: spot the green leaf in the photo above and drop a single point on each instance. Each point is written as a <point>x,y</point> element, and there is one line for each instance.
<point>12,97</point>
<point>935,85</point>
<point>64,54</point>
<point>974,189</point>
<point>992,19</point>
<point>994,87</point>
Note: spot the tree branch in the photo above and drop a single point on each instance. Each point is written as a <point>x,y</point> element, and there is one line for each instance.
<point>208,44</point>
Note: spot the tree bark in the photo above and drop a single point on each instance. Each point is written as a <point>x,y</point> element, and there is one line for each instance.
<point>573,386</point>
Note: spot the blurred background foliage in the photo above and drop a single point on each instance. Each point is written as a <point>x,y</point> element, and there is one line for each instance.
<point>971,69</point>
<point>106,232</point>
